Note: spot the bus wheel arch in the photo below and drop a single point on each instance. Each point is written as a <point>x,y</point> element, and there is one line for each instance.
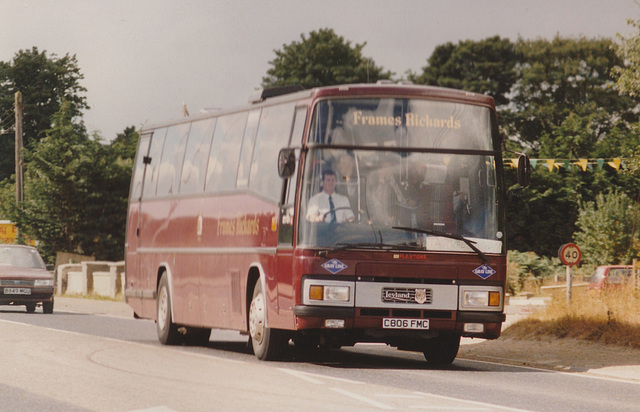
<point>168,333</point>
<point>267,343</point>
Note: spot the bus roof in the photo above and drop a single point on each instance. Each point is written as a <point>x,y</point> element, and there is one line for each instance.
<point>268,97</point>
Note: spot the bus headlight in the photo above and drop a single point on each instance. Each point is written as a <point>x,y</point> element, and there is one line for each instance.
<point>328,292</point>
<point>475,298</point>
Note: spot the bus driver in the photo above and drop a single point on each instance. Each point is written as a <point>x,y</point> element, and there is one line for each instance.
<point>329,206</point>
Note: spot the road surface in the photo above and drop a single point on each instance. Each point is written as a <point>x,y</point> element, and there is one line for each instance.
<point>75,361</point>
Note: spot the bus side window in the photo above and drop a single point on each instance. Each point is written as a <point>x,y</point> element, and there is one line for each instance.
<point>273,134</point>
<point>151,173</point>
<point>225,150</point>
<point>196,156</point>
<point>248,144</point>
<point>138,171</point>
<point>287,211</point>
<point>170,166</point>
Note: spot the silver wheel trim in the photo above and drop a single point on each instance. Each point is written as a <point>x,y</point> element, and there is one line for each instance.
<point>163,308</point>
<point>256,318</point>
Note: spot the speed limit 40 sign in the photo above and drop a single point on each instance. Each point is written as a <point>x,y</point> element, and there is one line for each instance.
<point>570,254</point>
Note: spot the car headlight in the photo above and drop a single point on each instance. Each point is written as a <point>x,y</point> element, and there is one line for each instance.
<point>43,282</point>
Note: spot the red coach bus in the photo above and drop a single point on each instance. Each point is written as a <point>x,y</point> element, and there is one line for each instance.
<point>331,216</point>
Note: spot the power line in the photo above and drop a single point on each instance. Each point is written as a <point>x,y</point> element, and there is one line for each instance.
<point>8,125</point>
<point>8,114</point>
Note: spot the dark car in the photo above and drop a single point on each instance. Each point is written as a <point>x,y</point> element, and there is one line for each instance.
<point>608,276</point>
<point>24,278</point>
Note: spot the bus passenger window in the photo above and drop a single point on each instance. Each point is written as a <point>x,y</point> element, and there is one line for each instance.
<point>225,151</point>
<point>171,162</point>
<point>248,143</point>
<point>138,170</point>
<point>155,153</point>
<point>196,156</point>
<point>273,134</point>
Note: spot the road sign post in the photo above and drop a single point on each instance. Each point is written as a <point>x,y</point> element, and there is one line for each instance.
<point>570,254</point>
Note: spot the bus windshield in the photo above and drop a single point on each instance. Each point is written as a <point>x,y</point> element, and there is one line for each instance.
<point>369,182</point>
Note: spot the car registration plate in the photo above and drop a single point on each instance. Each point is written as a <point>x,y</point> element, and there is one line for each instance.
<point>398,323</point>
<point>17,291</point>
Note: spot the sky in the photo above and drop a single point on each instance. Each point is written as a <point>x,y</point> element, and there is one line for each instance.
<point>143,59</point>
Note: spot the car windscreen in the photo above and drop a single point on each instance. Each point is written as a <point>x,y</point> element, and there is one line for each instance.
<point>20,257</point>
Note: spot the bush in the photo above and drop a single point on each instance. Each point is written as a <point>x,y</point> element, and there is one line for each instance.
<point>527,271</point>
<point>612,318</point>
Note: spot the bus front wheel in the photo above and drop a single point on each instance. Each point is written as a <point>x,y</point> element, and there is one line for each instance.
<point>442,350</point>
<point>267,343</point>
<point>167,330</point>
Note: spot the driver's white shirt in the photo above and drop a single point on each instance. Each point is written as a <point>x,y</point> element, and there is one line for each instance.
<point>319,205</point>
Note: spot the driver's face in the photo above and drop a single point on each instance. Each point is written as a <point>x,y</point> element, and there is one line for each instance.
<point>329,184</point>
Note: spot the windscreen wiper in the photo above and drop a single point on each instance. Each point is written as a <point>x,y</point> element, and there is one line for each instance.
<point>455,236</point>
<point>375,245</point>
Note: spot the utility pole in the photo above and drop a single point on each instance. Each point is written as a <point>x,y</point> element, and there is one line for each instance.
<point>19,173</point>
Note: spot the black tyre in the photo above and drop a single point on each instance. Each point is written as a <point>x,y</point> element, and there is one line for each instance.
<point>167,330</point>
<point>267,343</point>
<point>47,307</point>
<point>442,350</point>
<point>31,307</point>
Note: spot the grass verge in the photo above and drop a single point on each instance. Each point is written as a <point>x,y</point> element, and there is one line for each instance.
<point>612,318</point>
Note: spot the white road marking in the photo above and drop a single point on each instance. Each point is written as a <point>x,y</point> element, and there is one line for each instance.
<point>315,378</point>
<point>360,398</point>
<point>483,405</point>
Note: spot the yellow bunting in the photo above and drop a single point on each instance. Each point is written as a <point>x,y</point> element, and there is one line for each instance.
<point>583,164</point>
<point>615,163</point>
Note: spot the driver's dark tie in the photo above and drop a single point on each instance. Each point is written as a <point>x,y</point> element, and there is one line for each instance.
<point>332,212</point>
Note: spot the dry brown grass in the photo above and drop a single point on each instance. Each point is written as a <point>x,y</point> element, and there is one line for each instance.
<point>612,318</point>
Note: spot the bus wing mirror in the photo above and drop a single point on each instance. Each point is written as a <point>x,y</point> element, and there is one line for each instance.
<point>286,163</point>
<point>524,171</point>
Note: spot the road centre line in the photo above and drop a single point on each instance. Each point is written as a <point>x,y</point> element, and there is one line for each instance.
<point>145,345</point>
<point>364,399</point>
<point>483,405</point>
<point>315,378</point>
<point>449,408</point>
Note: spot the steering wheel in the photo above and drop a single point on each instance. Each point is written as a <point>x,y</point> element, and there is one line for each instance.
<point>334,211</point>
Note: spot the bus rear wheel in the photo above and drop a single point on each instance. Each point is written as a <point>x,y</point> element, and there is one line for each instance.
<point>168,333</point>
<point>442,350</point>
<point>267,343</point>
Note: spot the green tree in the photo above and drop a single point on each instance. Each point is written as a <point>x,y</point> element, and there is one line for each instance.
<point>76,193</point>
<point>608,229</point>
<point>555,100</point>
<point>322,58</point>
<point>486,66</point>
<point>126,143</point>
<point>628,50</point>
<point>563,107</point>
<point>628,82</point>
<point>45,82</point>
<point>561,78</point>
